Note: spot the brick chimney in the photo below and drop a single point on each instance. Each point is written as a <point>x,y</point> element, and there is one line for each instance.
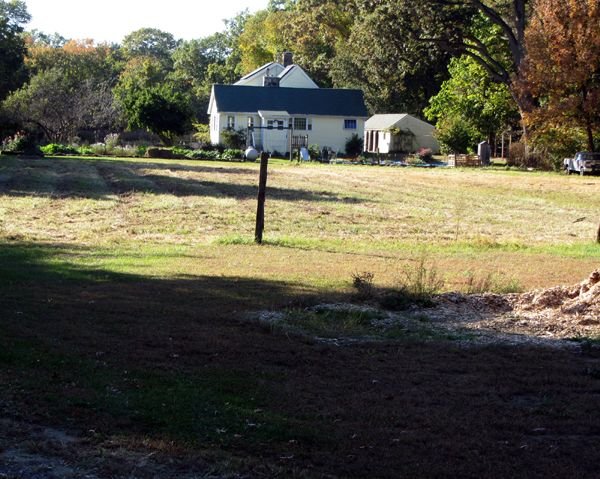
<point>288,59</point>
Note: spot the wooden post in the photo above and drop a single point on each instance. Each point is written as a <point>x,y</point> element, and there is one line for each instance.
<point>262,191</point>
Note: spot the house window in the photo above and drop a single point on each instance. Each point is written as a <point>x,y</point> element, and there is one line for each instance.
<point>279,124</point>
<point>349,124</point>
<point>231,122</point>
<point>300,124</point>
<point>250,122</point>
<point>309,124</point>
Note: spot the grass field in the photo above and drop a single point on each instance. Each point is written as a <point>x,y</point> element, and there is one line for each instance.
<point>124,284</point>
<point>167,219</point>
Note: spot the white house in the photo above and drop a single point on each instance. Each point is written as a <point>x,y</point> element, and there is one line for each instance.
<point>399,133</point>
<point>280,104</point>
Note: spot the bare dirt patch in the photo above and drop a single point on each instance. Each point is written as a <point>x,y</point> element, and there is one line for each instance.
<point>560,316</point>
<point>558,313</point>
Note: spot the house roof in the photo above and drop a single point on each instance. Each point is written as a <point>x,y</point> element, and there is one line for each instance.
<point>296,101</point>
<point>261,69</point>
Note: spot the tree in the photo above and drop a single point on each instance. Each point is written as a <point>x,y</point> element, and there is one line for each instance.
<point>13,15</point>
<point>150,42</point>
<point>397,70</point>
<point>150,99</point>
<point>198,64</point>
<point>470,103</point>
<point>311,29</point>
<point>161,110</point>
<point>80,60</point>
<point>562,67</point>
<point>316,31</point>
<point>263,38</point>
<point>60,107</point>
<point>448,24</point>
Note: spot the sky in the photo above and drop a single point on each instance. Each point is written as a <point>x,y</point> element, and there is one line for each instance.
<point>111,20</point>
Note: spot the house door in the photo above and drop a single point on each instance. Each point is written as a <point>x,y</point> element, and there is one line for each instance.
<point>276,136</point>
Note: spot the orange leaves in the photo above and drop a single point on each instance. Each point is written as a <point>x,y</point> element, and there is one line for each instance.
<point>562,63</point>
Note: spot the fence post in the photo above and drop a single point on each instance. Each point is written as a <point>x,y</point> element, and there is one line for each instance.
<point>262,190</point>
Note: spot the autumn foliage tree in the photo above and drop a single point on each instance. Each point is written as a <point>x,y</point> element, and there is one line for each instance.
<point>562,66</point>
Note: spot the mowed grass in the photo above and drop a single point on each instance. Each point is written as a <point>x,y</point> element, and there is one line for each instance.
<point>124,284</point>
<point>167,218</point>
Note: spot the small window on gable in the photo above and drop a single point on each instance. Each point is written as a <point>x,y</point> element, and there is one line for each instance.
<point>349,124</point>
<point>231,122</point>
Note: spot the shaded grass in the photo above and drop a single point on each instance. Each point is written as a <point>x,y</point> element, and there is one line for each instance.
<point>210,408</point>
<point>360,324</point>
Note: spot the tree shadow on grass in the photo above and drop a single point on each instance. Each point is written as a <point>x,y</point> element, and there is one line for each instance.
<point>154,359</point>
<point>102,179</point>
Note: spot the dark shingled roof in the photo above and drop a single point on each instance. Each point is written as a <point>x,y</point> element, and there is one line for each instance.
<point>296,101</point>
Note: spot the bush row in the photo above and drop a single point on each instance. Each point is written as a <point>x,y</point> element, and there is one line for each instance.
<point>101,149</point>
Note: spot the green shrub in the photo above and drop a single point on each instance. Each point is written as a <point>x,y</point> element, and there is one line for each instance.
<point>86,150</point>
<point>179,152</point>
<point>354,145</point>
<point>233,154</point>
<point>140,151</point>
<point>17,142</point>
<point>202,133</point>
<point>203,155</point>
<point>235,139</point>
<point>314,151</point>
<point>59,149</point>
<point>456,135</point>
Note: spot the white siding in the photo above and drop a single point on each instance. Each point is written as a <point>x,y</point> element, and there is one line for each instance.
<point>329,131</point>
<point>257,79</point>
<point>297,78</point>
<point>424,134</point>
<point>215,127</point>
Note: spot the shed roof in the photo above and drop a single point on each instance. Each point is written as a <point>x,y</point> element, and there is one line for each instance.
<point>383,122</point>
<point>296,101</point>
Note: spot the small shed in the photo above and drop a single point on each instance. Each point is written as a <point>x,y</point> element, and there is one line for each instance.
<point>399,132</point>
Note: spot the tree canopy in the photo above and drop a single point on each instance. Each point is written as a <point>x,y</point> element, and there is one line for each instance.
<point>13,17</point>
<point>562,67</point>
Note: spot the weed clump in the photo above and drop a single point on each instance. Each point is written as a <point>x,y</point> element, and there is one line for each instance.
<point>417,285</point>
<point>363,284</point>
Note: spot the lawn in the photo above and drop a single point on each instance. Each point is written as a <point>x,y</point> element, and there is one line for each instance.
<point>125,284</point>
<point>173,218</point>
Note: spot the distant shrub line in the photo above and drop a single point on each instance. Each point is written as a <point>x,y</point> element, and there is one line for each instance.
<point>102,149</point>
